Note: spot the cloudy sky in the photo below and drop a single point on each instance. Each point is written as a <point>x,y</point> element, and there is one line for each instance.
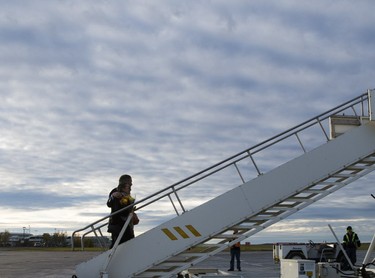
<point>91,90</point>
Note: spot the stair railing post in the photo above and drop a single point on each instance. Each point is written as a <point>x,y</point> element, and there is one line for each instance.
<point>117,242</point>
<point>82,247</point>
<point>178,199</point>
<point>300,142</point>
<point>83,236</point>
<point>342,249</point>
<point>175,209</point>
<point>321,126</point>
<point>371,104</point>
<point>371,248</point>
<point>98,238</point>
<point>252,159</point>
<point>238,171</point>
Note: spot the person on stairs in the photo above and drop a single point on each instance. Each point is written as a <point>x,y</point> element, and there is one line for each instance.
<point>119,198</point>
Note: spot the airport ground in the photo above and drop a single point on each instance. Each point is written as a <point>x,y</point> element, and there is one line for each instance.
<point>61,264</point>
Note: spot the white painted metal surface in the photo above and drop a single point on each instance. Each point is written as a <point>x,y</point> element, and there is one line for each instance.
<point>297,269</point>
<point>371,249</point>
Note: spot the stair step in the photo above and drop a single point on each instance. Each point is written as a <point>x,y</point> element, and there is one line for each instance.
<point>259,218</point>
<point>328,183</point>
<point>314,191</point>
<point>272,212</point>
<point>370,159</point>
<point>193,254</point>
<point>242,227</point>
<point>299,199</point>
<point>343,175</point>
<point>224,236</point>
<point>283,208</point>
<point>356,167</point>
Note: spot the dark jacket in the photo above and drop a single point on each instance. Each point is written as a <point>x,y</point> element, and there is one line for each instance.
<point>351,241</point>
<point>116,204</point>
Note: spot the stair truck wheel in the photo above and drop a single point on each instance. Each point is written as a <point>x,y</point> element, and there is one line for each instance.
<point>295,256</point>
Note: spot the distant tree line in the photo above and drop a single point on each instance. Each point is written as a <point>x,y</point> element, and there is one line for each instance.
<point>4,238</point>
<point>57,239</point>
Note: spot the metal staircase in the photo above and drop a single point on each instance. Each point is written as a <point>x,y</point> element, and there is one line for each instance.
<point>194,235</point>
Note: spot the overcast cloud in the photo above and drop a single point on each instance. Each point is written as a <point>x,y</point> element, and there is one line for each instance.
<point>163,89</point>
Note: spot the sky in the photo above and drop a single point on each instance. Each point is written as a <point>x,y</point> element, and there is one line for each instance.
<point>160,90</point>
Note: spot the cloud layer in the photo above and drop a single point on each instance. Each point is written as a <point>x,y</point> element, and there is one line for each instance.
<point>92,90</point>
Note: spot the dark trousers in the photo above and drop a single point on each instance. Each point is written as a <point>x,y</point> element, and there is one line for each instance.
<point>352,254</point>
<point>115,232</point>
<point>235,253</point>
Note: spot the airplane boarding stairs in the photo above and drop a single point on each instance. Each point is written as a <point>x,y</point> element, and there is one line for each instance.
<point>203,231</point>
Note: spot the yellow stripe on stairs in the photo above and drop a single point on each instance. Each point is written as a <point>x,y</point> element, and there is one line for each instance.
<point>181,232</point>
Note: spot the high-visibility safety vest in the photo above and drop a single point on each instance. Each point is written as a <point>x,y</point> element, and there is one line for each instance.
<point>351,241</point>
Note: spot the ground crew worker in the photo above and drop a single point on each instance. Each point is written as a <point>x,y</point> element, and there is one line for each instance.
<point>351,242</point>
<point>235,253</point>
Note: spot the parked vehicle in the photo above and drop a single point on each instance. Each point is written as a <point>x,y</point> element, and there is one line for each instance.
<point>319,252</point>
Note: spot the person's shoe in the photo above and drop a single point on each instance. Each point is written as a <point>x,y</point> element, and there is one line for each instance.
<point>231,269</point>
<point>239,269</point>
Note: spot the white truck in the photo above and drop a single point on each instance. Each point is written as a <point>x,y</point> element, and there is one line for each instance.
<point>319,252</point>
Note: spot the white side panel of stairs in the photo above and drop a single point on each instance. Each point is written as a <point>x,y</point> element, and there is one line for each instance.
<point>300,172</point>
<point>201,223</point>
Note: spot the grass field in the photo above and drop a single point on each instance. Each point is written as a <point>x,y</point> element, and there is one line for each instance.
<point>245,248</point>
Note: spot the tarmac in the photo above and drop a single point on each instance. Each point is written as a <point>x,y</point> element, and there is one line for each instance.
<point>51,264</point>
<point>41,264</point>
